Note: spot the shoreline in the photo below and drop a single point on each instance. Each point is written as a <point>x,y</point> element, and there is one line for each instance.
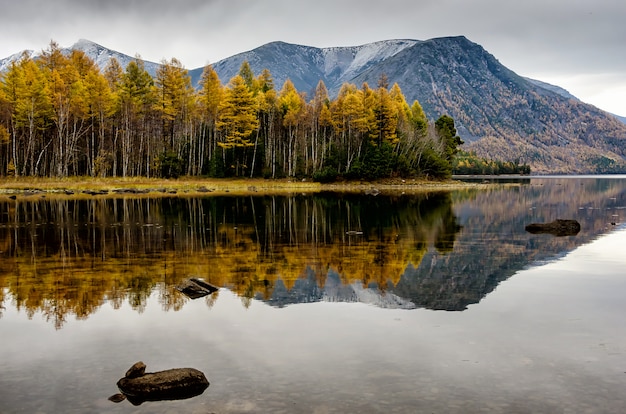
<point>153,187</point>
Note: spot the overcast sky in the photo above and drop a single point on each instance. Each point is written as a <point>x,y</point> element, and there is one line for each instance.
<point>577,44</point>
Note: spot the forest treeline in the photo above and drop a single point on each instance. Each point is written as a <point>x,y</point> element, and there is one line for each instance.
<point>60,116</point>
<point>468,163</point>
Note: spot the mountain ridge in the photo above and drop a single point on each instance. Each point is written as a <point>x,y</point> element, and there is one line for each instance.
<point>498,113</point>
<point>96,52</point>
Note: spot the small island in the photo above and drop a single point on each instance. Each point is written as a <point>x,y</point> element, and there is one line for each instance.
<point>87,187</point>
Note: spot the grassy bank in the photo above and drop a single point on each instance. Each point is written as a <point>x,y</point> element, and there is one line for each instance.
<point>135,186</point>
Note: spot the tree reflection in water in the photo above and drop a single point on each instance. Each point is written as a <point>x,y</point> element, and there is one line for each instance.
<point>69,256</point>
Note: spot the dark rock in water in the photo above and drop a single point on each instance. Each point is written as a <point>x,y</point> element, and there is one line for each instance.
<point>171,384</point>
<point>557,228</point>
<point>116,398</point>
<point>196,288</point>
<point>137,370</point>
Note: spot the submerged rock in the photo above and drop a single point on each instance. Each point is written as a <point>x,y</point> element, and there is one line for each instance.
<point>557,228</point>
<point>171,384</point>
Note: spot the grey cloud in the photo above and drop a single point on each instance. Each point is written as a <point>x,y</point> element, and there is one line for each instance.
<point>532,37</point>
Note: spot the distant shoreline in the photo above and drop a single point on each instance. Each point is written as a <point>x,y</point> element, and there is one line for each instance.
<point>138,186</point>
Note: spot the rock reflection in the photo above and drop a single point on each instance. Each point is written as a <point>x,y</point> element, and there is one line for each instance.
<point>557,228</point>
<point>438,250</point>
<point>195,288</point>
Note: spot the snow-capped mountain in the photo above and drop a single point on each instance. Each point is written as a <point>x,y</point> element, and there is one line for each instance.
<point>350,61</point>
<point>307,290</point>
<point>99,54</point>
<point>5,63</point>
<point>305,66</point>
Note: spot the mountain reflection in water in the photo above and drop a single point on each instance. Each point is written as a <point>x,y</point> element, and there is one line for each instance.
<point>440,251</point>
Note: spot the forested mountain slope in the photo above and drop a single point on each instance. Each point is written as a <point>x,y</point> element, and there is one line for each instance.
<point>498,113</point>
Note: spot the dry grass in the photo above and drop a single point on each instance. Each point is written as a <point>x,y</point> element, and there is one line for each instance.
<point>77,186</point>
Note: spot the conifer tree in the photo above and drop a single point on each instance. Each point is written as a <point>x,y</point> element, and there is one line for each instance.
<point>386,117</point>
<point>245,71</point>
<point>350,120</point>
<point>5,138</point>
<point>403,113</point>
<point>291,105</point>
<point>266,105</point>
<point>447,134</point>
<point>101,107</point>
<point>237,121</point>
<point>320,119</point>
<point>29,94</point>
<point>137,97</point>
<point>210,96</point>
<point>106,161</point>
<point>175,105</point>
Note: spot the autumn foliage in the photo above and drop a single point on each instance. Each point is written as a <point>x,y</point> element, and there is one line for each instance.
<point>61,116</point>
<point>70,256</point>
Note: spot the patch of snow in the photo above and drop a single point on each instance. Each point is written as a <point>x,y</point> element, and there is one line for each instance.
<point>382,300</point>
<point>5,63</point>
<point>350,61</point>
<point>99,54</point>
<point>102,55</point>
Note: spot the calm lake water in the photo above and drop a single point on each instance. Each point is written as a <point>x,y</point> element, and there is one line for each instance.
<point>437,303</point>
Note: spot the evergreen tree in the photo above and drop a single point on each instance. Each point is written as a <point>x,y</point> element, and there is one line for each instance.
<point>447,133</point>
<point>245,71</point>
<point>386,117</point>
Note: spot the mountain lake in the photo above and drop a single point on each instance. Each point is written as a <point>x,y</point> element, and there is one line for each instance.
<point>329,303</point>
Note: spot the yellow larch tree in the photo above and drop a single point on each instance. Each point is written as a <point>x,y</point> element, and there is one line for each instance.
<point>237,121</point>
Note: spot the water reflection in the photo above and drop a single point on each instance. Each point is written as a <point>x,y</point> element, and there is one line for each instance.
<point>439,251</point>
